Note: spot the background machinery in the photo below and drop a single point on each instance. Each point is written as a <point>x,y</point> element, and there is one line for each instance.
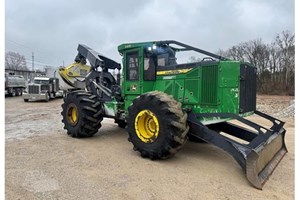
<point>42,88</point>
<point>14,84</point>
<point>162,104</point>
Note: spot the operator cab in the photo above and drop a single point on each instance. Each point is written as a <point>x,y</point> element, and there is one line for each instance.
<point>157,57</point>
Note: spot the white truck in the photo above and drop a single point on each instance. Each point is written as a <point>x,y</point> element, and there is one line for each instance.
<point>14,84</point>
<point>42,88</point>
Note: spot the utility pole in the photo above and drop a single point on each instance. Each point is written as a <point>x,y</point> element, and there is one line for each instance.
<point>32,61</point>
<point>33,67</point>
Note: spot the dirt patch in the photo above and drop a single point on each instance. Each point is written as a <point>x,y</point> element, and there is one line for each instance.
<point>42,162</point>
<point>277,106</point>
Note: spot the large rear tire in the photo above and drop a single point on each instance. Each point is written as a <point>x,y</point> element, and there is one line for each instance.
<point>82,114</point>
<point>156,125</point>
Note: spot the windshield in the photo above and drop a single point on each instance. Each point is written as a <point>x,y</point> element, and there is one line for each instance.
<point>162,55</point>
<point>41,81</point>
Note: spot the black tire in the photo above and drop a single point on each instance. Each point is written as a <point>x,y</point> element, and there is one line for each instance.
<point>171,120</point>
<point>13,93</point>
<point>88,114</point>
<point>47,97</point>
<point>25,100</point>
<point>18,92</point>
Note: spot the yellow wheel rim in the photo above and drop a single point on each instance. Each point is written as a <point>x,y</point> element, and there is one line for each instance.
<point>146,126</point>
<point>72,114</point>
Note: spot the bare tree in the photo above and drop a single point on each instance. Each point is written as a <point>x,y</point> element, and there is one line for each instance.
<point>257,53</point>
<point>274,62</point>
<point>15,61</point>
<point>237,52</point>
<point>286,45</point>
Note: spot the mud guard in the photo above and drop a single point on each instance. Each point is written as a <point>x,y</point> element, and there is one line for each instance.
<point>259,156</point>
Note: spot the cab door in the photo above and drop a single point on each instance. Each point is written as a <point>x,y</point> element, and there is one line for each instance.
<point>132,73</point>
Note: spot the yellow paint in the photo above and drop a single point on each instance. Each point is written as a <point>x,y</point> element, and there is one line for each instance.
<point>73,71</point>
<point>72,114</point>
<point>175,71</point>
<point>146,126</point>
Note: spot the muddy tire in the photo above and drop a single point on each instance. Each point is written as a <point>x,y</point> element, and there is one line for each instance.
<point>156,125</point>
<point>82,114</point>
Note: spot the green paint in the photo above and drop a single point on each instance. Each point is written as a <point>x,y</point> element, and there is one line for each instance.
<point>207,88</point>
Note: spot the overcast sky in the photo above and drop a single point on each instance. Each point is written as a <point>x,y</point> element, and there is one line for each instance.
<point>53,29</point>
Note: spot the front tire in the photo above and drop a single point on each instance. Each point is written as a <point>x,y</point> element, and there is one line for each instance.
<point>47,97</point>
<point>82,114</point>
<point>156,125</point>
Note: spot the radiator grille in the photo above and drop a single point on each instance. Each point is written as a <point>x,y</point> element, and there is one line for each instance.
<point>33,89</point>
<point>45,87</point>
<point>209,85</point>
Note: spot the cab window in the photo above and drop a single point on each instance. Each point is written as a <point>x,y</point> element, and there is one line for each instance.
<point>149,68</point>
<point>162,60</point>
<point>132,63</point>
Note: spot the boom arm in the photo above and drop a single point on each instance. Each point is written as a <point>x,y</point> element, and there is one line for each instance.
<point>95,58</point>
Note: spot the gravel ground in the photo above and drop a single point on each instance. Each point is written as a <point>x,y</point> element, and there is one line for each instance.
<point>281,107</point>
<point>42,162</point>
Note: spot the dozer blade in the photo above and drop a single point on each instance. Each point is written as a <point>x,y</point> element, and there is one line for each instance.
<point>259,156</point>
<point>262,161</point>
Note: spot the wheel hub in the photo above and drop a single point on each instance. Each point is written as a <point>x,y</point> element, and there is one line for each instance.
<point>72,114</point>
<point>146,126</point>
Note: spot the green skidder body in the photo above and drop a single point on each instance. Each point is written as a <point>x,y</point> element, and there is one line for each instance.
<point>204,87</point>
<point>163,102</point>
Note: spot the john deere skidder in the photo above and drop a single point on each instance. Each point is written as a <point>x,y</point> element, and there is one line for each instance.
<point>162,104</point>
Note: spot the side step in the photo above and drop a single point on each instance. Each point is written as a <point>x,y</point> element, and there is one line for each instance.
<point>259,157</point>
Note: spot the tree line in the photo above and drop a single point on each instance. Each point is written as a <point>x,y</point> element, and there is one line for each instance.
<point>275,62</point>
